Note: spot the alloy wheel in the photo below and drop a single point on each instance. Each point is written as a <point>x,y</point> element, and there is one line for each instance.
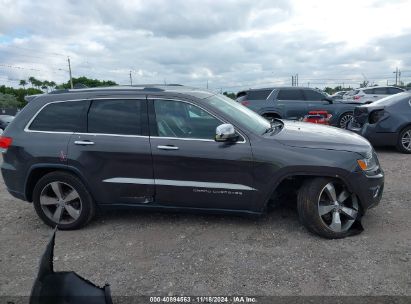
<point>345,120</point>
<point>337,207</point>
<point>60,202</point>
<point>406,140</point>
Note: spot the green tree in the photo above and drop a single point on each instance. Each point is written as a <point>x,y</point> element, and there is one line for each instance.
<point>8,101</point>
<point>230,95</point>
<point>88,82</point>
<point>32,80</point>
<point>23,83</point>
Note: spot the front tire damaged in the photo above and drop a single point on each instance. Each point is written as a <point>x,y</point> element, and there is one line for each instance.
<point>327,208</point>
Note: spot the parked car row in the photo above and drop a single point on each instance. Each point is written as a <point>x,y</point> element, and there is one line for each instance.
<point>385,121</point>
<point>295,103</point>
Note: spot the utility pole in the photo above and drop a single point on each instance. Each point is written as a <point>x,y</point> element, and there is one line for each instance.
<point>292,81</point>
<point>71,79</point>
<point>297,79</point>
<point>131,79</point>
<point>396,75</point>
<point>207,84</point>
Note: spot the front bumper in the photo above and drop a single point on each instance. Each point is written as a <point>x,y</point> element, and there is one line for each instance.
<point>368,187</point>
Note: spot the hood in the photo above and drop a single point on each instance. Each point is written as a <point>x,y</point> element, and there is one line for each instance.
<point>315,136</point>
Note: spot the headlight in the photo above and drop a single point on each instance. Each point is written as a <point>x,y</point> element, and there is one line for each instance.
<point>368,164</point>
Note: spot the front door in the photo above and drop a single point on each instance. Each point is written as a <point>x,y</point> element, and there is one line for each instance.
<point>114,153</point>
<point>190,168</point>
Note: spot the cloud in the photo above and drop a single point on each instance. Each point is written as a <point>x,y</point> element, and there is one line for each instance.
<point>231,44</point>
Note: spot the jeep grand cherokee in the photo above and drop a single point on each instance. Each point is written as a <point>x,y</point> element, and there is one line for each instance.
<point>181,148</point>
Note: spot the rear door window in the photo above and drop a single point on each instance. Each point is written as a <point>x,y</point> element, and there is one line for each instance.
<point>123,117</point>
<point>312,95</point>
<point>62,117</point>
<point>369,91</point>
<point>290,95</point>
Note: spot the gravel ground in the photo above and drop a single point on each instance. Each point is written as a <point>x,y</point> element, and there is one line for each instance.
<point>163,254</point>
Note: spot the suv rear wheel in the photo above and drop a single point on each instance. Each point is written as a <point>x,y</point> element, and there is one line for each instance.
<point>404,141</point>
<point>344,120</point>
<point>327,208</point>
<point>61,199</point>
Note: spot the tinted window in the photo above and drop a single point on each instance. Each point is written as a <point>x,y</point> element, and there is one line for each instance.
<point>62,117</point>
<point>184,120</point>
<point>290,95</point>
<point>382,91</point>
<point>237,112</point>
<point>394,90</point>
<point>258,95</point>
<point>369,91</point>
<point>312,95</point>
<point>116,117</point>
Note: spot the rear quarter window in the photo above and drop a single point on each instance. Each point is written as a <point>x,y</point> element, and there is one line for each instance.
<point>258,95</point>
<point>62,117</point>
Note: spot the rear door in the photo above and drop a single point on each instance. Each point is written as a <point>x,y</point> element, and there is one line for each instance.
<point>114,155</point>
<point>291,104</point>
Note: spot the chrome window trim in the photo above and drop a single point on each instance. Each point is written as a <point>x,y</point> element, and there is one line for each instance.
<point>205,110</point>
<point>28,130</point>
<point>272,91</point>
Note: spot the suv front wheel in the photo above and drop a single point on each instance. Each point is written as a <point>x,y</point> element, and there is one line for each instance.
<point>327,208</point>
<point>61,199</point>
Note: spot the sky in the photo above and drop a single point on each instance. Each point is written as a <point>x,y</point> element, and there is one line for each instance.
<point>226,45</point>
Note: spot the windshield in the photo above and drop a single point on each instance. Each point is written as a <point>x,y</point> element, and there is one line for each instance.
<point>390,100</point>
<point>240,113</point>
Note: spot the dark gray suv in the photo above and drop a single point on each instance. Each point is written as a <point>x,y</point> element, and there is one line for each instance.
<point>294,103</point>
<point>180,148</point>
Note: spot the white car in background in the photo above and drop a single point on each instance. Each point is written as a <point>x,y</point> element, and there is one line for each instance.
<point>371,94</point>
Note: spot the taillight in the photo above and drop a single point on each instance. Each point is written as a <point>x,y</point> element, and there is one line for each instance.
<point>5,143</point>
<point>375,116</point>
<point>356,97</point>
<point>245,103</point>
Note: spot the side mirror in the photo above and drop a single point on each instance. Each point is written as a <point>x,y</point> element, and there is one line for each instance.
<point>328,100</point>
<point>225,132</point>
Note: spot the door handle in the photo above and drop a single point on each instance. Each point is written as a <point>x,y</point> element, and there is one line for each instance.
<point>84,142</point>
<point>167,147</point>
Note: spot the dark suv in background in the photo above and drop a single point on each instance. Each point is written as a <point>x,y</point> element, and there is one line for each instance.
<point>294,103</point>
<point>179,148</point>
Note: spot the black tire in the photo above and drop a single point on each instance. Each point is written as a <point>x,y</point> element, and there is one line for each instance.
<point>85,201</point>
<point>308,208</point>
<point>402,146</point>
<point>344,119</point>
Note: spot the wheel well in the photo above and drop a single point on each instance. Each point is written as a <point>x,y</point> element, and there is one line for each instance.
<point>403,128</point>
<point>273,115</point>
<point>286,191</point>
<point>34,177</point>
